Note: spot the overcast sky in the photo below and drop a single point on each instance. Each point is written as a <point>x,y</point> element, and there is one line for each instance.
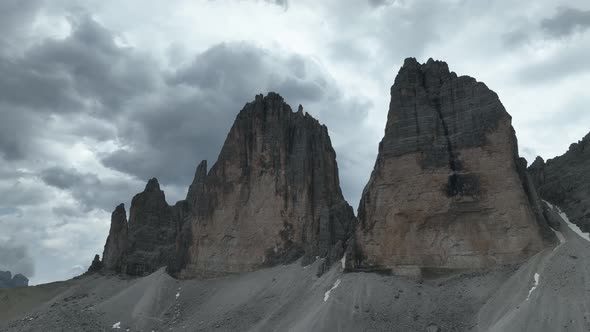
<point>96,97</point>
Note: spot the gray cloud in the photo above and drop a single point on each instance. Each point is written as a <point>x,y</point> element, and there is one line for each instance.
<point>189,120</point>
<point>282,3</point>
<point>515,38</point>
<point>566,21</point>
<point>16,259</point>
<point>65,179</point>
<point>91,66</point>
<point>88,189</point>
<point>377,3</point>
<point>566,62</point>
<point>15,16</point>
<point>83,73</point>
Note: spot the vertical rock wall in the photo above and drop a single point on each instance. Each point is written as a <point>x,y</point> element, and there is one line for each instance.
<point>445,191</point>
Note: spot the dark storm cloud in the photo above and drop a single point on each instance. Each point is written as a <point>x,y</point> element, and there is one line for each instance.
<point>16,259</point>
<point>65,179</point>
<point>566,21</point>
<point>97,68</point>
<point>15,16</point>
<point>241,70</point>
<point>84,73</point>
<point>88,189</point>
<point>191,117</point>
<point>62,75</point>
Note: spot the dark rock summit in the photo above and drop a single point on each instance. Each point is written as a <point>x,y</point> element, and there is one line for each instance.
<point>447,190</point>
<point>9,281</point>
<point>96,265</point>
<point>272,196</point>
<point>116,244</point>
<point>565,181</point>
<point>153,227</point>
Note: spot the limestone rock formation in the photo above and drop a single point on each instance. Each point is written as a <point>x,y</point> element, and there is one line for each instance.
<point>96,265</point>
<point>153,228</point>
<point>116,244</point>
<point>272,196</point>
<point>9,281</point>
<point>447,189</point>
<point>565,181</point>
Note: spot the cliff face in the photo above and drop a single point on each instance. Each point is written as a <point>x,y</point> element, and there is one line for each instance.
<point>116,244</point>
<point>565,181</point>
<point>272,196</point>
<point>447,190</point>
<point>153,229</point>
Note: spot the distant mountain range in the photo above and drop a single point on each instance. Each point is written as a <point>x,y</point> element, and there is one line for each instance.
<point>8,281</point>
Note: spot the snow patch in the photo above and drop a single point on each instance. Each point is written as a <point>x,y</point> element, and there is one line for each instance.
<point>571,225</point>
<point>117,325</point>
<point>343,261</point>
<point>559,236</point>
<point>177,295</point>
<point>536,277</point>
<point>327,294</point>
<point>574,227</point>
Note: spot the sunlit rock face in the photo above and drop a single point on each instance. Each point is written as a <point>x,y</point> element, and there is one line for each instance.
<point>447,189</point>
<point>272,197</point>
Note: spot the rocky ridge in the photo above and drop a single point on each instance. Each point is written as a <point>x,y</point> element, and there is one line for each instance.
<point>448,189</point>
<point>7,280</point>
<point>272,197</point>
<point>565,181</point>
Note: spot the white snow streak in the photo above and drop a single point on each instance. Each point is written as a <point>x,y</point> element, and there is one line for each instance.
<point>327,294</point>
<point>343,261</point>
<point>534,286</point>
<point>574,227</point>
<point>117,325</point>
<point>559,236</point>
<point>571,225</point>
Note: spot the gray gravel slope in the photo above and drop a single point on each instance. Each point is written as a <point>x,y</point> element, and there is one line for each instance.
<point>292,298</point>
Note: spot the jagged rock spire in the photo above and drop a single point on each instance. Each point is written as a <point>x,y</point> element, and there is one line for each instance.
<point>116,243</point>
